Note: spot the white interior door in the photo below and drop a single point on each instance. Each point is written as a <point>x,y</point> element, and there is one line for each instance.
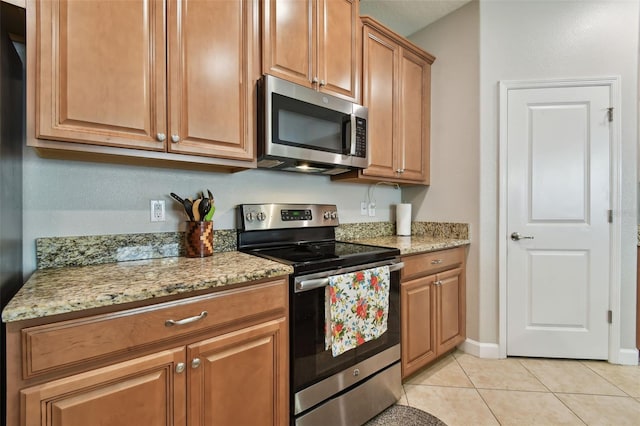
<point>558,201</point>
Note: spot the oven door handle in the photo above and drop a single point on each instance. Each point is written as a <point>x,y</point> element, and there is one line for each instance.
<point>306,285</point>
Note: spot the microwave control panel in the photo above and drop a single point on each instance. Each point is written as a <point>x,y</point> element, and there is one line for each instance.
<point>361,137</point>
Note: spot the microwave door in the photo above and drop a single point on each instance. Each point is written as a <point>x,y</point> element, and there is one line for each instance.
<point>300,124</point>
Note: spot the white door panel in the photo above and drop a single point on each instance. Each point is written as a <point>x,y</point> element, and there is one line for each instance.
<point>558,193</point>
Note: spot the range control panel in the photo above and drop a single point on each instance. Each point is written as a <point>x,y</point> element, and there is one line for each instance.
<point>252,217</point>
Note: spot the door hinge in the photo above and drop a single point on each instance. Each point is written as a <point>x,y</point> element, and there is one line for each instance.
<point>610,216</point>
<point>610,113</point>
<point>610,316</point>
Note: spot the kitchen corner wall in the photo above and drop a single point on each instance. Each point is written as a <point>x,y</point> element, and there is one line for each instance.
<point>454,194</point>
<point>72,198</point>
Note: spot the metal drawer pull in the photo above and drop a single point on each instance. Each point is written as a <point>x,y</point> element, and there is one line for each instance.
<point>180,367</point>
<point>436,261</point>
<point>171,323</point>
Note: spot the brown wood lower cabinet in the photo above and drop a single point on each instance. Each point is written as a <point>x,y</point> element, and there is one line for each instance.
<point>432,305</point>
<point>229,367</point>
<point>144,391</point>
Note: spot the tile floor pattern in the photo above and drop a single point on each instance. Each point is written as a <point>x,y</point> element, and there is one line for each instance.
<point>464,390</point>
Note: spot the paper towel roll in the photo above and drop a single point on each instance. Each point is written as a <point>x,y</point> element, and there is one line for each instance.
<point>403,219</point>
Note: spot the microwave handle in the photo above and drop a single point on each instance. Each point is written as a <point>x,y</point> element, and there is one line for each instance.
<point>352,129</point>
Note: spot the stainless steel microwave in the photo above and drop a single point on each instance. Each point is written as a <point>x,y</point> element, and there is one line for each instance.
<point>302,130</point>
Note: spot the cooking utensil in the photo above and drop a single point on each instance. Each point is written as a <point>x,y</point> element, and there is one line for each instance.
<point>212,209</point>
<point>195,209</point>
<point>204,207</point>
<point>187,204</point>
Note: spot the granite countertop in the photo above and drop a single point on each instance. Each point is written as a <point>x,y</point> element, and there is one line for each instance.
<point>71,289</point>
<point>414,244</point>
<point>79,273</point>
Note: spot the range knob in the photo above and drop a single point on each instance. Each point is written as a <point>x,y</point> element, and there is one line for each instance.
<point>261,216</point>
<point>250,216</point>
<point>326,215</point>
<point>334,215</point>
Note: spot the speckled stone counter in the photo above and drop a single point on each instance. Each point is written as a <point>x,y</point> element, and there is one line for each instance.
<point>63,290</point>
<point>415,243</point>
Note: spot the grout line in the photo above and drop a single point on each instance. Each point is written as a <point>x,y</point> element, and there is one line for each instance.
<point>534,376</point>
<point>606,379</point>
<point>477,392</point>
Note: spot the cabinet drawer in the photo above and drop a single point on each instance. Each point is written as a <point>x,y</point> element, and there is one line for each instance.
<point>68,343</point>
<point>430,263</point>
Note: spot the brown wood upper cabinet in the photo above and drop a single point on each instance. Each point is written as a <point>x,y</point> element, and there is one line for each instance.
<point>315,43</point>
<point>171,77</point>
<point>397,90</point>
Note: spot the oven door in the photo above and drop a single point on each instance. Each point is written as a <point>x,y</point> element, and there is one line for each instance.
<point>312,365</point>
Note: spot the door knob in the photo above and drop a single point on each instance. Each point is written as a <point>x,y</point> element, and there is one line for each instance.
<point>516,237</point>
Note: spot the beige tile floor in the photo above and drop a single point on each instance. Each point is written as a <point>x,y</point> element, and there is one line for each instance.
<point>461,389</point>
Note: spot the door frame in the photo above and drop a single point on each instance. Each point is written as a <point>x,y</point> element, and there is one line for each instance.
<point>613,82</point>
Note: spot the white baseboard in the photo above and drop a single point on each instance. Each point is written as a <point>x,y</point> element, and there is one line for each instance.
<point>628,357</point>
<point>481,350</point>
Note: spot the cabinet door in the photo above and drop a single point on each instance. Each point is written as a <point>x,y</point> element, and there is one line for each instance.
<point>339,48</point>
<point>240,378</point>
<point>380,79</point>
<point>100,72</point>
<point>417,318</point>
<point>451,327</point>
<point>288,43</point>
<point>143,391</point>
<point>414,117</point>
<point>213,67</point>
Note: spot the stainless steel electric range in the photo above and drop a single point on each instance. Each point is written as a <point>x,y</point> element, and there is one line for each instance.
<point>354,386</point>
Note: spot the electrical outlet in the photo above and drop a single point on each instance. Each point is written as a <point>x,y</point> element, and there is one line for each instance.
<point>372,209</point>
<point>363,208</point>
<point>157,211</point>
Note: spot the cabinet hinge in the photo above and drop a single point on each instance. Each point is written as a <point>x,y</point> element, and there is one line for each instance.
<point>610,113</point>
<point>610,216</point>
<point>610,316</point>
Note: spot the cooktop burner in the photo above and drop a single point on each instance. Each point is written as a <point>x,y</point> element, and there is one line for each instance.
<point>319,251</point>
<point>301,235</point>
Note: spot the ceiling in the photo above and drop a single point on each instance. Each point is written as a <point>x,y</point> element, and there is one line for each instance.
<point>408,16</point>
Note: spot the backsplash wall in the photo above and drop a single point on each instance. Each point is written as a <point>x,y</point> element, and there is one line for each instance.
<point>74,198</point>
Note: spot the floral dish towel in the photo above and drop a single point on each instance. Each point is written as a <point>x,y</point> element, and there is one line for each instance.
<point>356,308</point>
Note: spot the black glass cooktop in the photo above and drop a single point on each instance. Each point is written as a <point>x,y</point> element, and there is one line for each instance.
<point>321,255</point>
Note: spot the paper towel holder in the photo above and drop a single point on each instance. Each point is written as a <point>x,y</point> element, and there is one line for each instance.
<point>403,219</point>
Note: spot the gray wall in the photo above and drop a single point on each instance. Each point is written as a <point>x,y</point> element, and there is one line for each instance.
<point>522,40</point>
<point>71,198</point>
<point>454,194</point>
<point>518,40</point>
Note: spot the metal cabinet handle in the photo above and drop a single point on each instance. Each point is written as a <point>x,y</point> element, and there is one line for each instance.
<point>161,137</point>
<point>400,171</point>
<point>323,83</point>
<point>175,138</point>
<point>180,367</point>
<point>195,363</point>
<point>517,237</point>
<point>436,261</point>
<point>315,80</point>
<point>171,323</point>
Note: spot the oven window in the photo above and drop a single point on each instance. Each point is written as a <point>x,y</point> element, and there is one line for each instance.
<point>311,362</point>
<point>297,123</point>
